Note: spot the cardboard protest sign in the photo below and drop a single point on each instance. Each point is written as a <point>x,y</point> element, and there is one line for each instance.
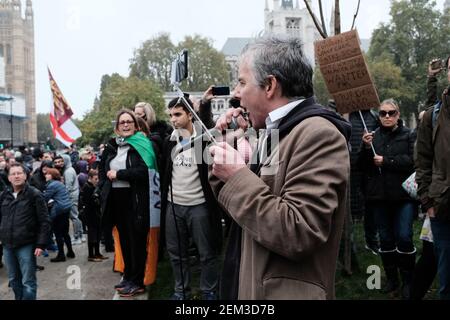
<point>345,72</point>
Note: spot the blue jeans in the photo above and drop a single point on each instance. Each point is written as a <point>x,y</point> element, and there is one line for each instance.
<point>441,239</point>
<point>395,225</point>
<point>21,265</point>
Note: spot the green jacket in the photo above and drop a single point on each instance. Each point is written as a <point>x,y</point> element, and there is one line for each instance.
<point>433,160</point>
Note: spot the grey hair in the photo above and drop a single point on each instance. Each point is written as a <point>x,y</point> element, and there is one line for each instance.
<point>392,102</point>
<point>283,58</point>
<point>149,112</point>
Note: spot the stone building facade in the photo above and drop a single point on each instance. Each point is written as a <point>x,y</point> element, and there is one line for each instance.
<point>18,68</point>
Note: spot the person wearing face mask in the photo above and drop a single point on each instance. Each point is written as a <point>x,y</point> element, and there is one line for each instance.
<point>393,208</point>
<point>124,193</point>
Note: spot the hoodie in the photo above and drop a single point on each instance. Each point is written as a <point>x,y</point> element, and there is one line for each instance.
<point>71,179</point>
<point>83,167</point>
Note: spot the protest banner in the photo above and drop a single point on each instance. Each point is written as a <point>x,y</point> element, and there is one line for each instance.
<point>345,72</point>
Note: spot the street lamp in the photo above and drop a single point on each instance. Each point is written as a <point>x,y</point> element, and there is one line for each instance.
<point>10,99</point>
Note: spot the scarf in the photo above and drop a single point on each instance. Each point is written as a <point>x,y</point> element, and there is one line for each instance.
<point>145,149</point>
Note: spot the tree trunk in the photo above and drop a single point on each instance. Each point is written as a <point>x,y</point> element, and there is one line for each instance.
<point>337,18</point>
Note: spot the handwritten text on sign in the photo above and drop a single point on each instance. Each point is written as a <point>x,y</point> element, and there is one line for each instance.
<point>345,72</point>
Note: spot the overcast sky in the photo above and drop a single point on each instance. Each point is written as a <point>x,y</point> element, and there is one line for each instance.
<point>81,40</point>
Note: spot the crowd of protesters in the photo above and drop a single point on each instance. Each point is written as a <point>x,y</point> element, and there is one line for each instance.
<point>283,229</point>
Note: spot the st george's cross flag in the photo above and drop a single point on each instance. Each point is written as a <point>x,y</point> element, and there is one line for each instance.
<point>60,116</point>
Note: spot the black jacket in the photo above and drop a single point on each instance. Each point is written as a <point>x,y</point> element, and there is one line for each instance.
<point>397,149</point>
<point>4,182</point>
<point>136,174</point>
<point>24,220</point>
<point>159,132</point>
<point>89,206</point>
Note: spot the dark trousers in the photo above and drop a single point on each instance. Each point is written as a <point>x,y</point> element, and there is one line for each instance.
<point>424,272</point>
<point>192,221</point>
<point>108,238</point>
<point>370,226</point>
<point>94,237</point>
<point>60,226</point>
<point>441,238</point>
<point>133,238</point>
<point>94,233</point>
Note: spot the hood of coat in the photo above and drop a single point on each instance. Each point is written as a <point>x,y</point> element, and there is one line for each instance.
<point>67,161</point>
<point>307,109</point>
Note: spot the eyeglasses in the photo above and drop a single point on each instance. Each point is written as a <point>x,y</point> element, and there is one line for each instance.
<point>391,113</point>
<point>129,122</point>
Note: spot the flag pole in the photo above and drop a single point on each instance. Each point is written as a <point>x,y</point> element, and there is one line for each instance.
<point>365,128</point>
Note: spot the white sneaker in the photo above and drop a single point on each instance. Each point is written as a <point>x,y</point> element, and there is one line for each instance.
<point>76,242</point>
<point>83,238</point>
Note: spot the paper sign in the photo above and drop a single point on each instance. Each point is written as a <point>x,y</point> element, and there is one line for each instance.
<point>345,72</point>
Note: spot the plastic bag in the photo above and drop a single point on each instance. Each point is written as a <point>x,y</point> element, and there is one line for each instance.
<point>410,186</point>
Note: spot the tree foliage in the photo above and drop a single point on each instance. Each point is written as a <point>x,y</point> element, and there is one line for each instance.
<point>416,34</point>
<point>44,129</point>
<point>390,83</point>
<point>387,78</point>
<point>117,92</point>
<point>153,59</point>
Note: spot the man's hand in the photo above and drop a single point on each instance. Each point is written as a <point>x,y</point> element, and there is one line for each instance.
<point>38,252</point>
<point>224,121</point>
<point>207,96</point>
<point>430,213</point>
<point>378,160</point>
<point>226,161</point>
<point>433,72</point>
<point>112,175</point>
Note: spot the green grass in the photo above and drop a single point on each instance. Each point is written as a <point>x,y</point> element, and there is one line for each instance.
<point>348,287</point>
<point>354,287</point>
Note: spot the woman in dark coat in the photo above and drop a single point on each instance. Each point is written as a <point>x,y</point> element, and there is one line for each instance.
<point>393,208</point>
<point>124,193</point>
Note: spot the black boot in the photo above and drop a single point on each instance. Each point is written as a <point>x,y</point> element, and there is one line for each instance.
<point>59,258</point>
<point>389,260</point>
<point>406,263</point>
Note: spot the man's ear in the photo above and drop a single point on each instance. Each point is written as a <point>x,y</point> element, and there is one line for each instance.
<point>271,86</point>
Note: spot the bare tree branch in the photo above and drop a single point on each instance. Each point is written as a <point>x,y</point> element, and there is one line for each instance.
<point>337,18</point>
<point>324,28</point>
<point>356,14</point>
<point>316,22</point>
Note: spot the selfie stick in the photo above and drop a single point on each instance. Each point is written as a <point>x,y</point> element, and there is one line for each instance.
<point>191,110</point>
<point>365,128</point>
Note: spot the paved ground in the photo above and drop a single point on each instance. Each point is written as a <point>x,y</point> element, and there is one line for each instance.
<point>59,280</point>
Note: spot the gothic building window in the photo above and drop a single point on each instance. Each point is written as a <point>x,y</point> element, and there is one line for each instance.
<point>293,26</point>
<point>8,54</point>
<point>2,54</point>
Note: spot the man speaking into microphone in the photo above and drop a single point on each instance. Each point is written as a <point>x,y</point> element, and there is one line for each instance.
<point>287,222</point>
